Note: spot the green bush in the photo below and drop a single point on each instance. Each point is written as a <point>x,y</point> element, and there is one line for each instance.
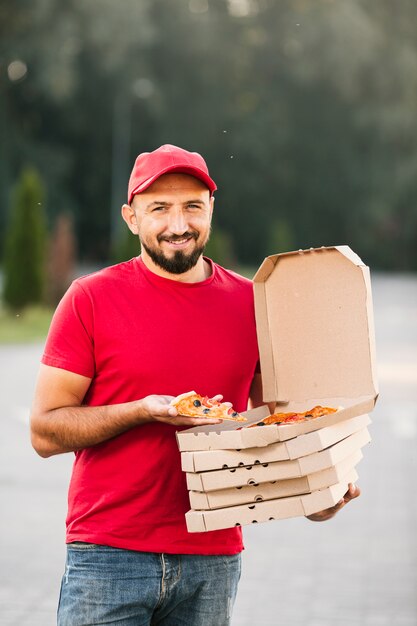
<point>24,267</point>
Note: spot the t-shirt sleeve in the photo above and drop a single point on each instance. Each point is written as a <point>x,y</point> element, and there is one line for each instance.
<point>70,341</point>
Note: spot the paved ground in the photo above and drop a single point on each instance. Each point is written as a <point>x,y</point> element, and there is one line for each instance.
<point>359,569</point>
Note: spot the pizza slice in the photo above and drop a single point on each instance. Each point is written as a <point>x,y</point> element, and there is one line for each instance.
<point>192,404</point>
<point>290,418</point>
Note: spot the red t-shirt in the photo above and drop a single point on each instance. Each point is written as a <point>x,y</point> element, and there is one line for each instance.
<point>136,333</point>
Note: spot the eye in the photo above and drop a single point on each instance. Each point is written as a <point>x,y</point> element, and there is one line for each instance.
<point>158,209</point>
<point>193,206</point>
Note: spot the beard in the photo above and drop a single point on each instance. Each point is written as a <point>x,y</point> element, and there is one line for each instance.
<point>180,262</point>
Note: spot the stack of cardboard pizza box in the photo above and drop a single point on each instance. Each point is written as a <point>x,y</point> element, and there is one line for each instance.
<point>316,340</point>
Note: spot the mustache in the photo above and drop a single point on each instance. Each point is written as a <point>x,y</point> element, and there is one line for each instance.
<point>193,234</point>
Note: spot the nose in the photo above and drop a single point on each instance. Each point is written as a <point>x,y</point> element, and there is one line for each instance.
<point>178,224</point>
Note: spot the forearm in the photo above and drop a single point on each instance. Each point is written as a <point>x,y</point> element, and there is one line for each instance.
<point>72,428</point>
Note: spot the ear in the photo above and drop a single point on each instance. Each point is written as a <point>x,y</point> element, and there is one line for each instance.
<point>211,207</point>
<point>129,216</point>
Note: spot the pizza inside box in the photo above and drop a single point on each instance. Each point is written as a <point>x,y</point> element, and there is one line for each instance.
<point>316,340</point>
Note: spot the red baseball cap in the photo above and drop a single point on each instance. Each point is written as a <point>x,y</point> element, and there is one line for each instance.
<point>151,165</point>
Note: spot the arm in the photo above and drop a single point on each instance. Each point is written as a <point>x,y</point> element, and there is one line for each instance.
<point>60,424</point>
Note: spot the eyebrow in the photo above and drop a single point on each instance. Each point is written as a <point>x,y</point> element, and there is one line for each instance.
<point>158,203</point>
<point>163,203</point>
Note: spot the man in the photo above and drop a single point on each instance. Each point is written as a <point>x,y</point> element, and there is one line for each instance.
<point>123,342</point>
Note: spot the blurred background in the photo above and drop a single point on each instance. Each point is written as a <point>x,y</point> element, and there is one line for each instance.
<point>305,111</point>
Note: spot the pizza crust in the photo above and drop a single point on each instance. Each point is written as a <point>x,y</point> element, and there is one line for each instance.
<point>191,404</point>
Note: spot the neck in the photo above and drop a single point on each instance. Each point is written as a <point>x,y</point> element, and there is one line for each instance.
<point>201,270</point>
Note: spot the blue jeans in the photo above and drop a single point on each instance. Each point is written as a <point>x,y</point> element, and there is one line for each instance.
<point>103,585</point>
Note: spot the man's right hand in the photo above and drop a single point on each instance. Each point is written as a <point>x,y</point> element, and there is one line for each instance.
<point>159,409</point>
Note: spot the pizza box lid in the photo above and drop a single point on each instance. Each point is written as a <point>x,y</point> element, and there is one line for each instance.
<point>280,470</point>
<point>281,508</point>
<point>315,330</point>
<point>315,326</point>
<point>205,460</point>
<point>272,490</point>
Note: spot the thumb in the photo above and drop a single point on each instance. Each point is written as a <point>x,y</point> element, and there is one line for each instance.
<point>352,492</point>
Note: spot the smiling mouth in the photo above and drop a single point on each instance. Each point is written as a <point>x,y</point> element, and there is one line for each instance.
<point>179,241</point>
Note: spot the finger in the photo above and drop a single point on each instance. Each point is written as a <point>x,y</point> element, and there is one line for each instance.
<point>334,509</point>
<point>163,411</point>
<point>195,421</point>
<point>217,398</point>
<point>352,493</point>
<point>355,490</point>
<point>323,516</point>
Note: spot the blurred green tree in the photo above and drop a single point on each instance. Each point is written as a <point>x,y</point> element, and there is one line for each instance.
<point>305,112</point>
<point>24,259</point>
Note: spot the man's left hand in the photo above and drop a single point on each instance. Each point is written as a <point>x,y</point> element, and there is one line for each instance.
<point>322,516</point>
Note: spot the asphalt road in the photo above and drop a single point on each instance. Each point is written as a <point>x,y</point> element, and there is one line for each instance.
<point>359,569</point>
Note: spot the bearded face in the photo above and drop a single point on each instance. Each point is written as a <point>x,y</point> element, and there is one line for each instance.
<point>173,219</point>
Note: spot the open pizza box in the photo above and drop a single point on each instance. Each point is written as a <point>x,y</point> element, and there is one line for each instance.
<point>303,445</point>
<point>280,470</point>
<point>259,492</point>
<point>315,331</point>
<point>281,508</point>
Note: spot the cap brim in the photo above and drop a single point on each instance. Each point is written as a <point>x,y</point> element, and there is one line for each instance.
<point>180,169</point>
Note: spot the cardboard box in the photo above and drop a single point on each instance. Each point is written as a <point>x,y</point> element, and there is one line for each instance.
<point>205,460</point>
<point>295,506</point>
<point>275,489</point>
<point>267,472</point>
<point>316,339</point>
